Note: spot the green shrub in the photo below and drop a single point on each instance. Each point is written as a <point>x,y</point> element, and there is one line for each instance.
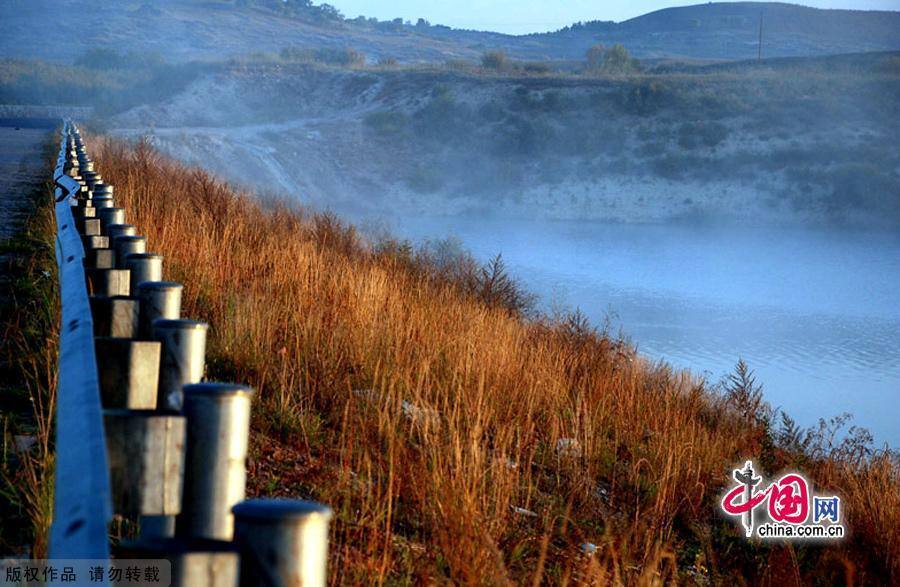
<point>537,67</point>
<point>386,122</point>
<point>102,58</point>
<point>442,119</point>
<point>864,186</point>
<point>644,97</point>
<point>108,91</point>
<point>692,135</point>
<point>495,60</point>
<point>459,65</point>
<point>615,59</point>
<point>524,136</point>
<point>344,57</point>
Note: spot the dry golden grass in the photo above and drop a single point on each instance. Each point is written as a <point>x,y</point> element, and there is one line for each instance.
<point>456,440</point>
<point>29,323</point>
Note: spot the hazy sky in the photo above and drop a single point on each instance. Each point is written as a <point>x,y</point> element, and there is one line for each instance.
<point>526,16</point>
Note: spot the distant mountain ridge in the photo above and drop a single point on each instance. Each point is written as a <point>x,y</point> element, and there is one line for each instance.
<point>726,30</point>
<point>207,30</point>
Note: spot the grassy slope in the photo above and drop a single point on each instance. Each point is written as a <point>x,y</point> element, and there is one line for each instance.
<point>425,413</point>
<point>29,321</point>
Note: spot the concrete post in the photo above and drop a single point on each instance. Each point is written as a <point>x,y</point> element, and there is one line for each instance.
<point>84,210</point>
<point>159,300</point>
<point>182,360</point>
<point>128,371</point>
<point>143,267</point>
<point>108,282</point>
<point>95,242</point>
<point>125,245</point>
<point>282,542</point>
<point>195,563</point>
<point>116,317</point>
<point>146,460</point>
<point>100,258</point>
<point>218,416</point>
<point>89,226</point>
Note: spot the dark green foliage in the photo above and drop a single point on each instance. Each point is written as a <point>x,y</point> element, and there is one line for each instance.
<point>864,185</point>
<point>537,67</point>
<point>442,119</point>
<point>693,135</point>
<point>644,97</point>
<point>448,262</point>
<point>123,82</point>
<point>549,101</point>
<point>106,59</point>
<point>495,60</point>
<point>523,136</point>
<point>494,286</point>
<point>304,10</point>
<point>386,122</point>
<point>612,60</point>
<point>342,57</point>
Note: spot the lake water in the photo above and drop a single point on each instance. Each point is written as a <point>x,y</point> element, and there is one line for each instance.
<point>815,313</point>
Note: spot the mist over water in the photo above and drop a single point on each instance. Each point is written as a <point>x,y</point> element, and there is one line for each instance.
<point>813,311</point>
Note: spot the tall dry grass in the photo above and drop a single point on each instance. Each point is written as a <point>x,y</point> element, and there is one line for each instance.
<point>457,440</point>
<point>29,323</point>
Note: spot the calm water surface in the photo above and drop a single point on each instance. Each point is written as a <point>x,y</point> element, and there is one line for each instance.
<point>815,313</point>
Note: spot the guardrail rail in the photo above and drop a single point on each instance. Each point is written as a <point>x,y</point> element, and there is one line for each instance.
<point>140,434</point>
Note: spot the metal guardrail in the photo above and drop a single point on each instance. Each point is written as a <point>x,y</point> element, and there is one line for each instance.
<point>81,510</point>
<point>139,435</point>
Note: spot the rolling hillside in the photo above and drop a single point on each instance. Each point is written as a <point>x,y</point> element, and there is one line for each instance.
<point>731,31</point>
<point>786,140</point>
<point>190,30</point>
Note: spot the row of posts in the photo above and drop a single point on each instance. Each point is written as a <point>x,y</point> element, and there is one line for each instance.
<point>177,445</point>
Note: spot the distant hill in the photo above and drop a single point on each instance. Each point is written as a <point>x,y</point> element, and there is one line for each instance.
<point>209,30</point>
<point>724,30</point>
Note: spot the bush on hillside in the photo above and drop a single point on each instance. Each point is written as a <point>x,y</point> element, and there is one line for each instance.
<point>442,119</point>
<point>615,59</point>
<point>103,58</point>
<point>386,122</point>
<point>496,61</point>
<point>692,135</point>
<point>344,57</point>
